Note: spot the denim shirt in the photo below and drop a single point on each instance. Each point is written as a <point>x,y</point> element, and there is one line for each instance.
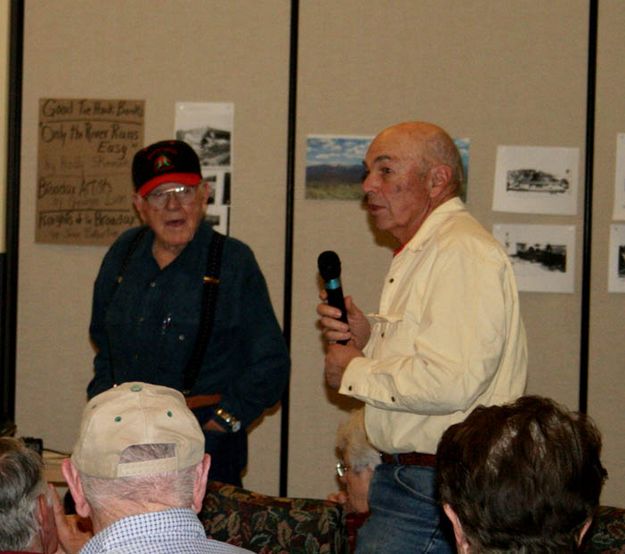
<point>144,328</point>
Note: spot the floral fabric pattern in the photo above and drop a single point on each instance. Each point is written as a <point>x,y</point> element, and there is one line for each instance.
<point>607,534</point>
<point>273,525</point>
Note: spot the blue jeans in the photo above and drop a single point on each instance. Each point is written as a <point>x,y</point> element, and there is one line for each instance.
<point>405,514</point>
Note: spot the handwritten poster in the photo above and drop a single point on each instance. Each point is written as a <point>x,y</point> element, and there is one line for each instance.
<point>84,182</point>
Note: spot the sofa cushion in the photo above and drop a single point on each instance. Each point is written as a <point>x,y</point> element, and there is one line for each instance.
<point>607,533</point>
<point>269,524</point>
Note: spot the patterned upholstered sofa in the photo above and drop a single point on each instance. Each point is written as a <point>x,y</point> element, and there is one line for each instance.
<point>273,525</point>
<point>607,534</point>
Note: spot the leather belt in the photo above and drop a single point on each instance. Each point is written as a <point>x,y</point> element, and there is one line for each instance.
<point>410,459</point>
<point>202,400</point>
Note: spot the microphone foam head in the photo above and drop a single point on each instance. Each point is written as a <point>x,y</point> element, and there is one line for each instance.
<point>329,265</point>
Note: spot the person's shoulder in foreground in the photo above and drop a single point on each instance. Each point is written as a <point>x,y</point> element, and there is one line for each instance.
<point>172,531</point>
<point>521,477</point>
<point>139,472</point>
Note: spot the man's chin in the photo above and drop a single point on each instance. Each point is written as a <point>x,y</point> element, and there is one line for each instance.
<point>176,239</point>
<point>381,223</point>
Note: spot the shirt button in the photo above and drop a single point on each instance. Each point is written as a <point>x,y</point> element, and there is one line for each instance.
<point>392,399</point>
<point>382,334</point>
<point>152,284</point>
<point>136,357</point>
<point>180,337</point>
<point>391,280</point>
<point>349,388</point>
<point>141,319</point>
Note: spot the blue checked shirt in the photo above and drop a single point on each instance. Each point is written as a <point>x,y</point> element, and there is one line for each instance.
<point>173,531</point>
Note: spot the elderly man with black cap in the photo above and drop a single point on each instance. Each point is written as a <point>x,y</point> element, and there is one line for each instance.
<point>177,304</point>
<point>139,472</point>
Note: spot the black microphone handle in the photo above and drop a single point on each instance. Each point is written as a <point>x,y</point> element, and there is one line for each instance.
<point>336,300</point>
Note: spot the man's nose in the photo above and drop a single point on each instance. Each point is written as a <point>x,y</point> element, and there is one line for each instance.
<point>173,202</point>
<point>369,183</point>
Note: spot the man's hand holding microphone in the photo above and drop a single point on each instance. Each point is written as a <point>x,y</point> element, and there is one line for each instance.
<point>345,327</point>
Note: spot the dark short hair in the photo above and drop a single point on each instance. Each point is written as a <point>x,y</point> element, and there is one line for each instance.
<point>523,477</point>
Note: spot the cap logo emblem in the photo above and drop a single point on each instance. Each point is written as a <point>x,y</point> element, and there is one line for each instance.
<point>162,163</point>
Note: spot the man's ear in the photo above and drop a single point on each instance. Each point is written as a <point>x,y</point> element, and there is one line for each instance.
<point>47,526</point>
<point>205,191</point>
<point>75,486</point>
<point>585,528</point>
<point>461,540</point>
<point>440,177</point>
<point>140,205</point>
<point>199,485</point>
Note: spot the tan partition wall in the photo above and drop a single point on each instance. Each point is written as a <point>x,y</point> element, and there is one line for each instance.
<point>607,327</point>
<point>161,52</point>
<point>509,72</point>
<point>498,73</point>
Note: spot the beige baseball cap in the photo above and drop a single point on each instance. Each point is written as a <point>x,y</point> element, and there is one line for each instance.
<point>133,414</point>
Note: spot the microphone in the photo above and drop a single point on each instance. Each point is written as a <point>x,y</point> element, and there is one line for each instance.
<point>329,266</point>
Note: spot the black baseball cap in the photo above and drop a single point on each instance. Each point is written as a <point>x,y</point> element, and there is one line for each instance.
<point>167,161</point>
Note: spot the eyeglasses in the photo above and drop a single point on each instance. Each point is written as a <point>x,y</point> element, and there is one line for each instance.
<point>183,193</point>
<point>342,468</point>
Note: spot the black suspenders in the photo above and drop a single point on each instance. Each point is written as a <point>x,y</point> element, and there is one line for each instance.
<point>209,302</point>
<point>210,289</point>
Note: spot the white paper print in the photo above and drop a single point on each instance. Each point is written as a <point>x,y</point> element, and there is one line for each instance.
<point>619,179</point>
<point>616,270</point>
<point>219,183</point>
<point>219,217</point>
<point>207,127</point>
<point>542,256</point>
<point>538,180</point>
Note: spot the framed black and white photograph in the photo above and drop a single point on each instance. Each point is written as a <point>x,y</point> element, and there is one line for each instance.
<point>542,256</point>
<point>217,182</point>
<point>219,218</point>
<point>616,270</point>
<point>539,180</point>
<point>207,127</point>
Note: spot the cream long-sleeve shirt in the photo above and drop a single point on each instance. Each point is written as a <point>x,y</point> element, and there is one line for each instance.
<point>448,335</point>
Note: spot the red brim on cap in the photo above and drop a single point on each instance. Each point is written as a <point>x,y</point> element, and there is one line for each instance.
<point>191,179</point>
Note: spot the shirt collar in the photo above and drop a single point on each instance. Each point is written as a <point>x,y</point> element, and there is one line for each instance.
<point>192,251</point>
<point>130,528</point>
<point>431,223</point>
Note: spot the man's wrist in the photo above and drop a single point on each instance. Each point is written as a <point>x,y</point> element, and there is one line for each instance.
<point>227,420</point>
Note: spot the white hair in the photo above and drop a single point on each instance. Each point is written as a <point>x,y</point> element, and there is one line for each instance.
<point>351,439</point>
<point>21,484</point>
<point>113,497</point>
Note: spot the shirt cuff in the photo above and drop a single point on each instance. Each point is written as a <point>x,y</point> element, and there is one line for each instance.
<point>353,382</point>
